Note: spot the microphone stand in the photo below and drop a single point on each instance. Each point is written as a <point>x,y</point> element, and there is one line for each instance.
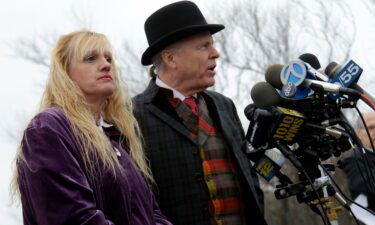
<point>322,183</point>
<point>328,205</point>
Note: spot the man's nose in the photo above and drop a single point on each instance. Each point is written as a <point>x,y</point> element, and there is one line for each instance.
<point>215,53</point>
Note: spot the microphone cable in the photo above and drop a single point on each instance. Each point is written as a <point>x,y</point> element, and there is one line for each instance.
<point>346,206</point>
<point>358,146</point>
<point>289,154</point>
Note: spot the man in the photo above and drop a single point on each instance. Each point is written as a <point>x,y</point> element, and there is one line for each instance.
<point>354,165</point>
<point>193,137</point>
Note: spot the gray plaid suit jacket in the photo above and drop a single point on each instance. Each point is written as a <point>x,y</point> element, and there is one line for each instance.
<point>175,162</point>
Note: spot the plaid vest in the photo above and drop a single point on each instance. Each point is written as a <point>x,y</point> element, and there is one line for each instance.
<point>220,175</point>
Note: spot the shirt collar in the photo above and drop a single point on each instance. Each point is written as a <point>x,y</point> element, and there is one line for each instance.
<point>101,123</point>
<point>176,94</point>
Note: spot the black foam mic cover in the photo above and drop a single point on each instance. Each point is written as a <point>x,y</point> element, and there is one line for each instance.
<point>331,69</point>
<point>310,59</point>
<point>272,76</point>
<point>264,95</point>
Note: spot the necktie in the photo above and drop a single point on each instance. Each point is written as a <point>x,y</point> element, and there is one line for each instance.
<point>192,103</point>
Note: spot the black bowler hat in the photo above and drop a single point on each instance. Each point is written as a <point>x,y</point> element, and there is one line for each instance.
<point>173,23</point>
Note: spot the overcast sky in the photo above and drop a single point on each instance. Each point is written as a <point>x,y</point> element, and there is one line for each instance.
<point>21,81</point>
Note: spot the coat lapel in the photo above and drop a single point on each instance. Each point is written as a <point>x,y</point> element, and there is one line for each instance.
<point>157,104</point>
<point>220,116</point>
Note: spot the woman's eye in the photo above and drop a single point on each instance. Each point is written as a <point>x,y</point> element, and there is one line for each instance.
<point>89,58</point>
<point>109,59</point>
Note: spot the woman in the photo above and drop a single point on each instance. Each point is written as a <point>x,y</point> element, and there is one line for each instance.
<point>81,160</point>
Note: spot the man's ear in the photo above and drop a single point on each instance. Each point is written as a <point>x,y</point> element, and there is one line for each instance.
<point>169,58</point>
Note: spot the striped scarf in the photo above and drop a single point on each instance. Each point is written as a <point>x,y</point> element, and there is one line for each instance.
<point>220,174</point>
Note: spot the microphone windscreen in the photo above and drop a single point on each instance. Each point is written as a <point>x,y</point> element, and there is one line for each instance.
<point>273,76</point>
<point>310,59</point>
<point>264,95</point>
<point>331,69</point>
<point>249,111</point>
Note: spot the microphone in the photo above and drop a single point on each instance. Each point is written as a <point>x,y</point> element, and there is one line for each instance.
<point>268,161</point>
<point>273,72</point>
<point>268,120</point>
<point>274,126</point>
<point>277,123</point>
<point>331,69</point>
<point>264,95</point>
<point>299,83</point>
<point>346,76</point>
<point>289,154</point>
<point>260,124</point>
<point>333,132</point>
<point>312,60</point>
<point>260,115</point>
<point>320,86</point>
<point>269,164</point>
<point>287,125</point>
<point>272,76</point>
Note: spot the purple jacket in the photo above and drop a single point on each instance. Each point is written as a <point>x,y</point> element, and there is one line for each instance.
<point>55,188</point>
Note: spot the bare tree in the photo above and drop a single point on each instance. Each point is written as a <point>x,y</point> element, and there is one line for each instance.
<point>370,5</point>
<point>259,34</point>
<point>131,69</point>
<point>35,49</point>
